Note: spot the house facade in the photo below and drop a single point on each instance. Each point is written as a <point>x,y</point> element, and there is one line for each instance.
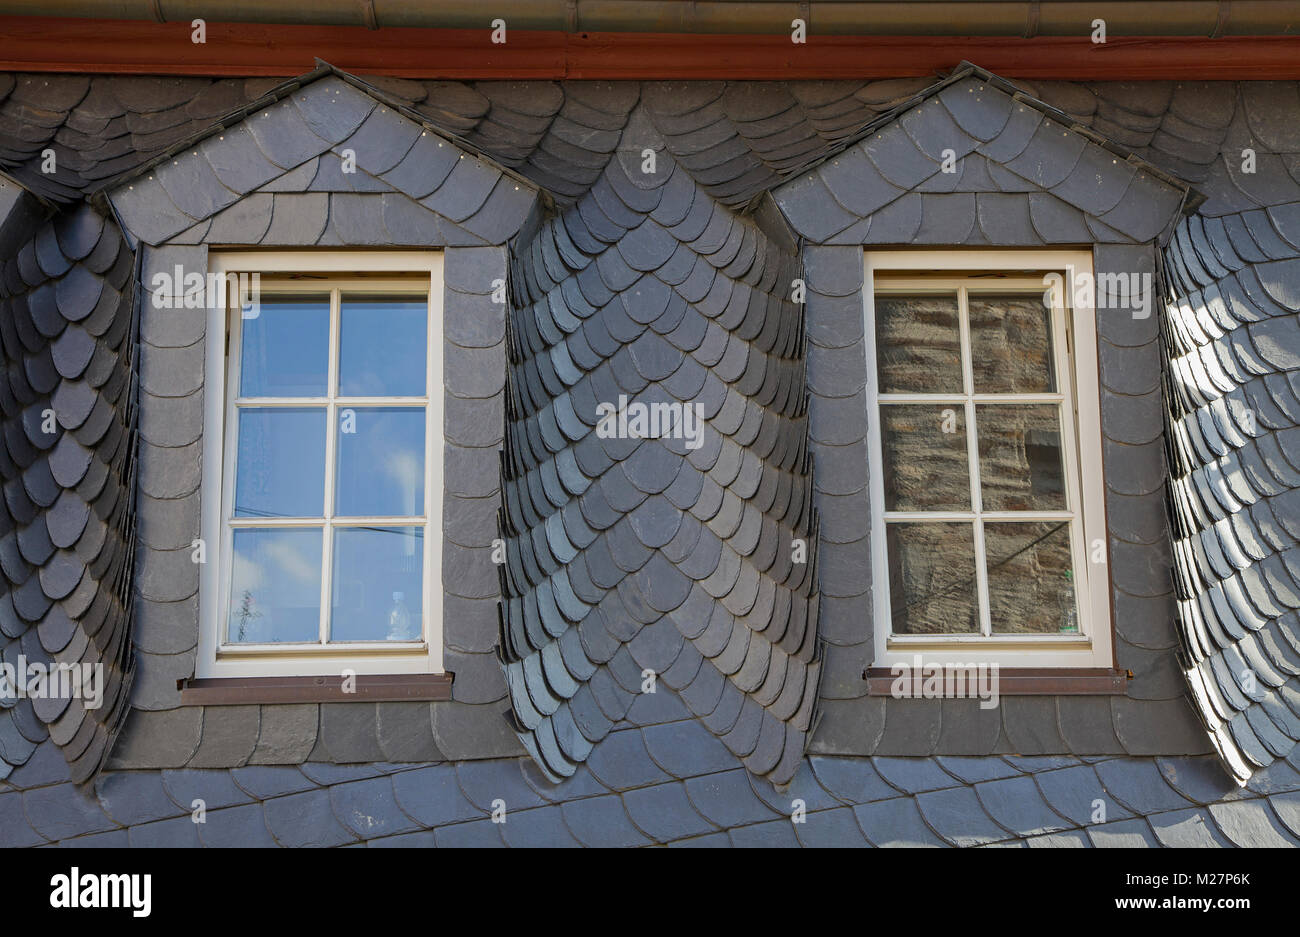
<point>894,460</point>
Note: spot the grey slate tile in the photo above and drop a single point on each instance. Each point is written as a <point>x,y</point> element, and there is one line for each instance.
<point>686,749</point>
<point>480,834</point>
<point>727,799</point>
<point>775,834</point>
<point>63,811</point>
<point>543,827</point>
<point>213,787</point>
<point>1125,834</point>
<point>602,822</point>
<point>1138,785</point>
<point>305,820</point>
<point>664,813</point>
<point>1251,823</point>
<point>622,762</point>
<point>178,833</point>
<point>287,734</point>
<point>348,731</point>
<point>1077,794</point>
<point>418,840</point>
<point>1190,828</point>
<point>112,839</point>
<point>230,734</point>
<point>134,797</point>
<point>484,782</point>
<point>852,780</point>
<point>913,775</point>
<point>957,816</point>
<point>14,828</point>
<point>895,822</point>
<point>369,809</point>
<point>1016,805</point>
<point>708,841</point>
<point>432,796</point>
<point>1068,839</point>
<point>265,782</point>
<point>830,829</point>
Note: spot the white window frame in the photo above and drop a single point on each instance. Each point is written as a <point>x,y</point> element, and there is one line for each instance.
<point>215,657</point>
<point>1078,384</point>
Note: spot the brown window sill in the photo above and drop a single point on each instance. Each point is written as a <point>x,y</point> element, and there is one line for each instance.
<point>369,688</point>
<point>1025,681</point>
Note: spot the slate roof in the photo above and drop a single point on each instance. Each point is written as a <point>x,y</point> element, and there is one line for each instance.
<point>667,784</point>
<point>737,139</point>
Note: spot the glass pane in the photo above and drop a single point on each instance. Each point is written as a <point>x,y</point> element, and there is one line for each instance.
<point>275,586</point>
<point>280,470</point>
<point>382,348</point>
<point>926,463</point>
<point>918,344</point>
<point>932,586</point>
<point>1031,579</point>
<point>378,584</point>
<point>1011,343</point>
<point>380,462</point>
<point>1020,457</point>
<point>285,349</point>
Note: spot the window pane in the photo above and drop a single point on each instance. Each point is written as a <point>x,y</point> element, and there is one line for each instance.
<point>1020,457</point>
<point>281,462</point>
<point>382,348</point>
<point>1031,579</point>
<point>378,584</point>
<point>285,349</point>
<point>1011,343</point>
<point>918,344</point>
<point>380,462</point>
<point>932,586</point>
<point>275,586</point>
<point>926,463</point>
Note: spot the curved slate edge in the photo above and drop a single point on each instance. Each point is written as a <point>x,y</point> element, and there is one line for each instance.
<point>70,505</point>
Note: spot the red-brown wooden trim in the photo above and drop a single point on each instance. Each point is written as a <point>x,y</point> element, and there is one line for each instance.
<point>54,44</point>
<point>370,688</point>
<point>1028,681</point>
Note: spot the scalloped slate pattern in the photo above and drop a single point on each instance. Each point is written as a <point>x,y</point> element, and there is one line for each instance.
<point>628,555</point>
<point>67,521</point>
<point>1232,339</point>
<point>847,801</point>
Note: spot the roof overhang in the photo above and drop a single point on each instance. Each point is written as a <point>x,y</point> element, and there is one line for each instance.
<point>649,39</point>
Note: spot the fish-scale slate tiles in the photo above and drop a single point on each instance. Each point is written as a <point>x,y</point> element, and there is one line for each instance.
<point>97,127</point>
<point>736,138</point>
<point>326,164</point>
<point>643,794</point>
<point>1232,338</point>
<point>67,466</point>
<point>1235,141</point>
<point>740,138</point>
<point>1017,174</point>
<point>687,550</point>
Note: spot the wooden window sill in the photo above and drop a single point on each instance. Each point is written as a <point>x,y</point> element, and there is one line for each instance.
<point>1026,681</point>
<point>369,688</point>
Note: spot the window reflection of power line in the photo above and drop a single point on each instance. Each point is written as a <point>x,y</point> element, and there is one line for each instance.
<point>932,596</point>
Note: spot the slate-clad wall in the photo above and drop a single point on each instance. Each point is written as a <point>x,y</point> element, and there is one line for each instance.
<point>68,467</point>
<point>735,139</point>
<point>411,188</point>
<point>1234,350</point>
<point>671,556</point>
<point>1023,180</point>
